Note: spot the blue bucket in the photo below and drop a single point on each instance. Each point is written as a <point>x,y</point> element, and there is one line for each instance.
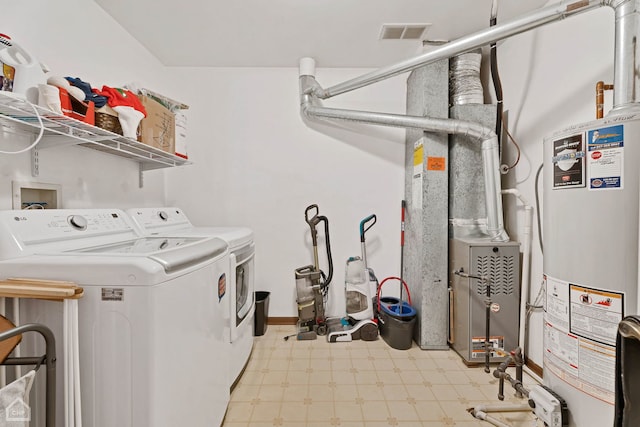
<point>392,307</point>
<point>396,319</point>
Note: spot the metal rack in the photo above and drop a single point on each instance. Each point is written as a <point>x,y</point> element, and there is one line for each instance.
<point>20,115</point>
<point>48,359</point>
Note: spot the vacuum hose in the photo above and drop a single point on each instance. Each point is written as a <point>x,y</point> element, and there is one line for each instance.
<point>327,279</point>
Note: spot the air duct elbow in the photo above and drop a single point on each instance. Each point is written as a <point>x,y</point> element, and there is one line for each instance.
<point>308,86</point>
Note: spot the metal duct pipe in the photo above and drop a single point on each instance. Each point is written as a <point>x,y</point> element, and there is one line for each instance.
<point>476,40</point>
<point>310,107</point>
<point>626,83</point>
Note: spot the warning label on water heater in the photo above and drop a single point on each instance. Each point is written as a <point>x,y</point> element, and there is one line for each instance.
<point>568,162</point>
<point>605,158</point>
<point>580,326</point>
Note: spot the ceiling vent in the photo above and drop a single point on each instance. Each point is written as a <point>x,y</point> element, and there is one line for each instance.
<point>403,31</point>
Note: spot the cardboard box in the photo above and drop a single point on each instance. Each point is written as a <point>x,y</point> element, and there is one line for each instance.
<point>158,129</point>
<point>181,134</point>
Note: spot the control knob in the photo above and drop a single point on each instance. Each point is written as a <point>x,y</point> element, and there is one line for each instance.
<point>78,222</point>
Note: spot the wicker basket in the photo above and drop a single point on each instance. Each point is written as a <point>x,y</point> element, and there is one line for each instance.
<point>108,122</point>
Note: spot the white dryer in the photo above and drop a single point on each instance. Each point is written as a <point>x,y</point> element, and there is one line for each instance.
<point>152,345</point>
<point>172,221</point>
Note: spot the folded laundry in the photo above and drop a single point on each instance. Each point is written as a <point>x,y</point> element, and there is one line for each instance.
<point>128,106</point>
<point>129,120</point>
<point>62,83</point>
<point>49,98</point>
<point>121,97</point>
<point>98,100</point>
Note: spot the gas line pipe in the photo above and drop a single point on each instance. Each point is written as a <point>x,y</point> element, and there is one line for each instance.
<point>600,88</point>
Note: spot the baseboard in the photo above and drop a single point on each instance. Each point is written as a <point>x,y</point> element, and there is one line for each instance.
<point>282,320</point>
<point>535,368</point>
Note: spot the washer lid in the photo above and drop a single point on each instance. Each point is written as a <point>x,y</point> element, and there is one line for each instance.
<point>234,236</point>
<point>173,253</point>
<point>141,246</point>
<point>173,221</point>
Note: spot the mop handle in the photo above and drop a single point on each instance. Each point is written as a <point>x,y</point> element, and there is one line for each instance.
<point>403,205</point>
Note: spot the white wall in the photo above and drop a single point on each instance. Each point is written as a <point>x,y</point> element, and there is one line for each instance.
<point>257,164</point>
<point>77,38</point>
<point>549,78</point>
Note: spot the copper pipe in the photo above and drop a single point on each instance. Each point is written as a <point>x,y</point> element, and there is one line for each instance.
<point>600,88</point>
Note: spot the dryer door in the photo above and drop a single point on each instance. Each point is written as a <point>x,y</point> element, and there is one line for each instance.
<point>244,286</point>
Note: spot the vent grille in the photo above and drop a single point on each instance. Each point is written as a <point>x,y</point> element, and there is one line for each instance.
<point>501,272</point>
<point>403,31</point>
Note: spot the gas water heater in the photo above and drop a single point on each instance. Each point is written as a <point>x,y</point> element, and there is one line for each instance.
<point>590,259</point>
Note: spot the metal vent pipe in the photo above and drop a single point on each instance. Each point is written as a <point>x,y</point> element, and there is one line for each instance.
<point>626,84</point>
<point>627,49</point>
<point>473,41</point>
<point>311,107</point>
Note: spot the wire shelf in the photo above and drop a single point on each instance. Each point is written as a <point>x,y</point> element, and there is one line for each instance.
<point>19,115</point>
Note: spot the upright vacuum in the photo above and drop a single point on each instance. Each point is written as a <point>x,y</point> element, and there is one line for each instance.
<point>312,284</point>
<point>360,286</point>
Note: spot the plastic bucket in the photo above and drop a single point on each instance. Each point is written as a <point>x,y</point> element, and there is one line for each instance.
<point>395,320</point>
<point>391,306</point>
<point>397,332</point>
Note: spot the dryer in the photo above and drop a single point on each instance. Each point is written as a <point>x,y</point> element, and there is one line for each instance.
<point>172,221</point>
<point>151,341</point>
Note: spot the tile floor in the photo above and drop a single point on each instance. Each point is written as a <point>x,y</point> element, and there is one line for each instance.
<point>368,384</point>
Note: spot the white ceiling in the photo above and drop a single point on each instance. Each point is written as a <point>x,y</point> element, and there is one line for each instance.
<point>276,33</point>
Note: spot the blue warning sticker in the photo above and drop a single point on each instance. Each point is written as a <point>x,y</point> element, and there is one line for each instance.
<point>605,158</point>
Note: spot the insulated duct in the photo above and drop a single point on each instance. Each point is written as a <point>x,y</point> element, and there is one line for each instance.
<point>464,79</point>
<point>311,107</point>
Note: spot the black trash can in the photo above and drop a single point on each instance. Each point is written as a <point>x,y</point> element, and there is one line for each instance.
<point>262,313</point>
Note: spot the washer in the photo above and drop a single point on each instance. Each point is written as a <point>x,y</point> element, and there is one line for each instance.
<point>172,221</point>
<point>153,350</point>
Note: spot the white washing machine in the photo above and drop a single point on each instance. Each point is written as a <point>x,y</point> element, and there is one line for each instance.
<point>171,221</point>
<point>152,347</point>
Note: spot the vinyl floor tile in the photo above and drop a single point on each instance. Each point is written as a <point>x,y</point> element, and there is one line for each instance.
<point>360,384</point>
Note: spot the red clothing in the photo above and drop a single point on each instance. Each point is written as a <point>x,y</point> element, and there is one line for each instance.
<point>117,96</point>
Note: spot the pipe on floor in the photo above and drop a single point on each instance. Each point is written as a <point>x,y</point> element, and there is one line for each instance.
<point>481,412</point>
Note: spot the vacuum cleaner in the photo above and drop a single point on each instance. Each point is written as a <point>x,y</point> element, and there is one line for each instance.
<point>359,283</point>
<point>312,284</point>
